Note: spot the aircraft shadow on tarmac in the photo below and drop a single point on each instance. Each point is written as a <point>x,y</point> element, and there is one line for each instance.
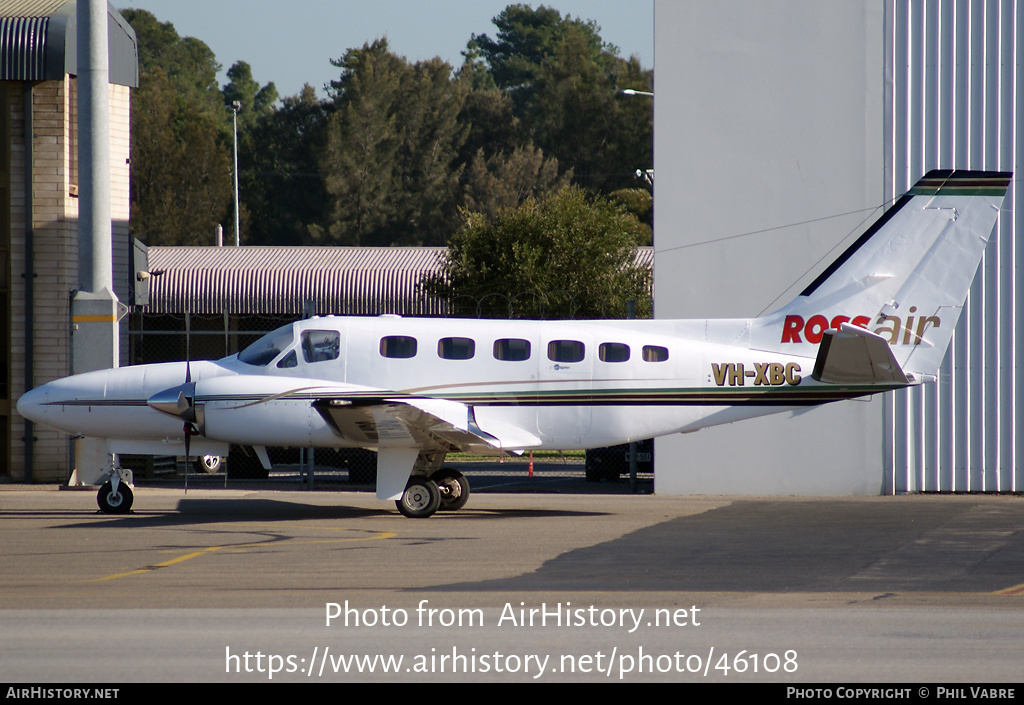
<point>210,511</point>
<point>767,546</point>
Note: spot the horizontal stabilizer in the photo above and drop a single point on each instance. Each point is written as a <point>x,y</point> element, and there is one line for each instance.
<point>854,355</point>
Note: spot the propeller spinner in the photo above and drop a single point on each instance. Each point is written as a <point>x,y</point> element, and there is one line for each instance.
<point>177,401</point>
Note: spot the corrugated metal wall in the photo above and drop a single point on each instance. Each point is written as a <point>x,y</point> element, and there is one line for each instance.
<point>23,48</point>
<point>355,281</point>
<point>952,72</point>
<point>262,280</point>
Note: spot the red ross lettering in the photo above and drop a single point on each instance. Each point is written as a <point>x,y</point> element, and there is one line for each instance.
<point>794,326</point>
<point>815,327</point>
<point>791,329</point>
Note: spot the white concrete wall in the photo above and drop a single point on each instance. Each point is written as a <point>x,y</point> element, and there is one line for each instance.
<point>767,114</point>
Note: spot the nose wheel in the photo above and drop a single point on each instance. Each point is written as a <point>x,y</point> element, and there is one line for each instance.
<point>115,500</point>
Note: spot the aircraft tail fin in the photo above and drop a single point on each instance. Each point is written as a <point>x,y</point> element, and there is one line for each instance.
<point>904,280</point>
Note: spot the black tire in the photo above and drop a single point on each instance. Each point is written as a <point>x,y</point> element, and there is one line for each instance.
<point>453,487</point>
<point>208,464</point>
<point>111,502</point>
<point>420,499</point>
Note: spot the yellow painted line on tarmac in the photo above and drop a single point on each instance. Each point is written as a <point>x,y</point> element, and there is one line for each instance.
<point>234,548</point>
<point>1013,590</point>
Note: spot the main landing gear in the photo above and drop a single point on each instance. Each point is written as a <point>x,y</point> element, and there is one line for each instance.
<point>454,488</point>
<point>446,490</point>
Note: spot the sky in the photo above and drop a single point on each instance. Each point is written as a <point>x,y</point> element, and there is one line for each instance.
<point>292,42</point>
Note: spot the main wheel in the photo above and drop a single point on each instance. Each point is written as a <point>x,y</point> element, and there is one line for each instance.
<point>111,502</point>
<point>207,463</point>
<point>420,499</point>
<point>454,488</point>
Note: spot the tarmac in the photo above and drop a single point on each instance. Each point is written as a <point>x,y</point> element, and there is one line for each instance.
<point>549,578</point>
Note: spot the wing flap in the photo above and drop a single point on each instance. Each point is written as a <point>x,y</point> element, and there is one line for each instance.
<point>855,355</point>
<point>428,424</point>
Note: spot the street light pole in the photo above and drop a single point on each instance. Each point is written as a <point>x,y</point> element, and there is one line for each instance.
<point>645,174</point>
<point>235,107</point>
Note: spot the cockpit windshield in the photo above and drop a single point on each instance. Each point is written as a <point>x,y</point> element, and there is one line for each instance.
<point>264,350</point>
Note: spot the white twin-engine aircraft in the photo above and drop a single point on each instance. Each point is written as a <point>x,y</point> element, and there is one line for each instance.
<point>879,317</point>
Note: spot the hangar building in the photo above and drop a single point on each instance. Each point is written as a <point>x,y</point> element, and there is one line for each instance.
<point>39,211</point>
<point>790,113</point>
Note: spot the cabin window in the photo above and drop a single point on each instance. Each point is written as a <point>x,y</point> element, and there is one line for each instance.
<point>565,350</point>
<point>289,360</point>
<point>320,345</point>
<point>456,348</point>
<point>263,351</point>
<point>655,353</point>
<point>512,349</point>
<point>398,346</point>
<point>613,352</point>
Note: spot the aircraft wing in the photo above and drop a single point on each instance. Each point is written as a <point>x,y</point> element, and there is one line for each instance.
<point>855,355</point>
<point>427,424</point>
<point>401,429</point>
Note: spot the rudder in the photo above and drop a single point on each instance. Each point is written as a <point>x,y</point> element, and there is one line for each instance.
<point>906,278</point>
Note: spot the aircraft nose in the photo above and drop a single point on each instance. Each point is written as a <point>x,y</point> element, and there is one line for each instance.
<point>32,404</point>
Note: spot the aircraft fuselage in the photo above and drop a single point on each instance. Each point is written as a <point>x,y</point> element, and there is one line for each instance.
<point>564,384</point>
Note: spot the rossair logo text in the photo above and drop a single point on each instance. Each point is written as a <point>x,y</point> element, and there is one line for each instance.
<point>764,374</point>
<point>898,331</point>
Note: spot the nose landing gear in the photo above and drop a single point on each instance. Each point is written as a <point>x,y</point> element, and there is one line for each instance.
<point>115,495</point>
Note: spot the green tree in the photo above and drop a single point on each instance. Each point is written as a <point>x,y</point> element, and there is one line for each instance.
<point>579,115</point>
<point>282,189</point>
<point>640,203</point>
<point>362,144</point>
<point>565,82</point>
<point>256,102</point>
<point>188,63</point>
<point>526,39</point>
<point>569,255</point>
<point>491,122</point>
<point>505,180</point>
<point>180,177</point>
<point>390,158</point>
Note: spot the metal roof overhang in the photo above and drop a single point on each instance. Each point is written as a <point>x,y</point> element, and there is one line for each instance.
<point>278,280</point>
<point>272,280</point>
<point>39,40</point>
